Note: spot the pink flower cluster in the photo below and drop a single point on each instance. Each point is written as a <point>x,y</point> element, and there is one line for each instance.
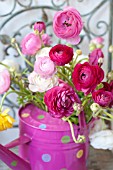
<point>32,42</point>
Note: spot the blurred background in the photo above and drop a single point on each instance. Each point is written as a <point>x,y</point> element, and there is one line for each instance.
<point>18,16</point>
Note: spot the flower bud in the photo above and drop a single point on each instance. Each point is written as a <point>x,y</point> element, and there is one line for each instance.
<point>110,75</point>
<point>95,107</point>
<point>111,49</point>
<point>39,26</point>
<point>78,52</point>
<point>99,45</point>
<point>92,47</point>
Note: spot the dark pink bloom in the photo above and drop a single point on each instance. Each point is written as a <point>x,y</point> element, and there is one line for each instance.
<point>4,81</point>
<point>67,24</point>
<point>96,57</point>
<point>60,100</point>
<point>46,39</point>
<point>30,44</point>
<point>45,67</point>
<point>61,54</point>
<point>103,98</point>
<point>40,26</point>
<point>86,77</point>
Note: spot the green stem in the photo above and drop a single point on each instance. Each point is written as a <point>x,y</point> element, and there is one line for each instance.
<point>68,68</point>
<point>27,61</point>
<point>110,109</point>
<point>108,114</point>
<point>83,60</point>
<point>65,78</point>
<point>5,65</point>
<point>3,98</point>
<point>102,117</point>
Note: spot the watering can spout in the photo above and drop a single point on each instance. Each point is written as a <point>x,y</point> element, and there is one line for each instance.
<point>11,159</point>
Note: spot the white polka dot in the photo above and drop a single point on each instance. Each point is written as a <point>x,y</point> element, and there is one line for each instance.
<point>42,126</point>
<point>46,157</point>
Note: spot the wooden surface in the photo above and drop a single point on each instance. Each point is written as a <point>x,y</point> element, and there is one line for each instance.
<point>98,160</point>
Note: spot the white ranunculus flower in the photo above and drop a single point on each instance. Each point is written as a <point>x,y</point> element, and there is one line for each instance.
<point>37,83</point>
<point>12,64</point>
<point>43,52</point>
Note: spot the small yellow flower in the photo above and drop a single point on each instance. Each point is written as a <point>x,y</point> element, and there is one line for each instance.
<point>6,121</point>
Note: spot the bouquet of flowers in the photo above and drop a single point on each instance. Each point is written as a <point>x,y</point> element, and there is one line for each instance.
<point>56,79</point>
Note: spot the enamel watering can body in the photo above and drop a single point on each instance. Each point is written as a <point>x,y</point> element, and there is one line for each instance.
<point>46,143</point>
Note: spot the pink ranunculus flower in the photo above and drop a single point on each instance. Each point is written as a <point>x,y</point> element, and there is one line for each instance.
<point>40,26</point>
<point>4,81</point>
<point>45,67</point>
<point>102,97</point>
<point>30,44</point>
<point>60,100</point>
<point>61,54</point>
<point>86,77</point>
<point>95,56</point>
<point>67,24</point>
<point>46,39</point>
<point>39,84</point>
<point>97,40</point>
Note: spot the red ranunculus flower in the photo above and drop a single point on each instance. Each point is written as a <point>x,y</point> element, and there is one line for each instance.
<point>103,98</point>
<point>60,100</point>
<point>61,54</point>
<point>86,77</point>
<point>96,57</point>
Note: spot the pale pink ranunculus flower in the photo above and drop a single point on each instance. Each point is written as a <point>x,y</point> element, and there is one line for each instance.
<point>43,52</point>
<point>39,84</point>
<point>45,67</point>
<point>46,39</point>
<point>67,24</point>
<point>30,44</point>
<point>4,81</point>
<point>97,40</point>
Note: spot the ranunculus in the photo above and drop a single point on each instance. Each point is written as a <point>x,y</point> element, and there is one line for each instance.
<point>4,81</point>
<point>46,39</point>
<point>61,54</point>
<point>95,56</point>
<point>43,52</point>
<point>97,40</point>
<point>60,100</point>
<point>103,98</point>
<point>31,43</point>
<point>45,67</point>
<point>67,24</point>
<point>38,84</point>
<point>40,26</point>
<point>86,77</point>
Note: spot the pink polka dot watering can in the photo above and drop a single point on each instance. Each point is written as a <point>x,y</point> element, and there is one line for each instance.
<point>46,143</point>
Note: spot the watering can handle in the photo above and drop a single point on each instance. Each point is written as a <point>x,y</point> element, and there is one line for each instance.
<point>10,158</point>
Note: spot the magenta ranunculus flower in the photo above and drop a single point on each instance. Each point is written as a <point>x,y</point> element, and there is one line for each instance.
<point>102,97</point>
<point>96,57</point>
<point>86,77</point>
<point>60,100</point>
<point>61,54</point>
<point>40,26</point>
<point>4,81</point>
<point>45,67</point>
<point>30,44</point>
<point>67,24</point>
<point>46,39</point>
